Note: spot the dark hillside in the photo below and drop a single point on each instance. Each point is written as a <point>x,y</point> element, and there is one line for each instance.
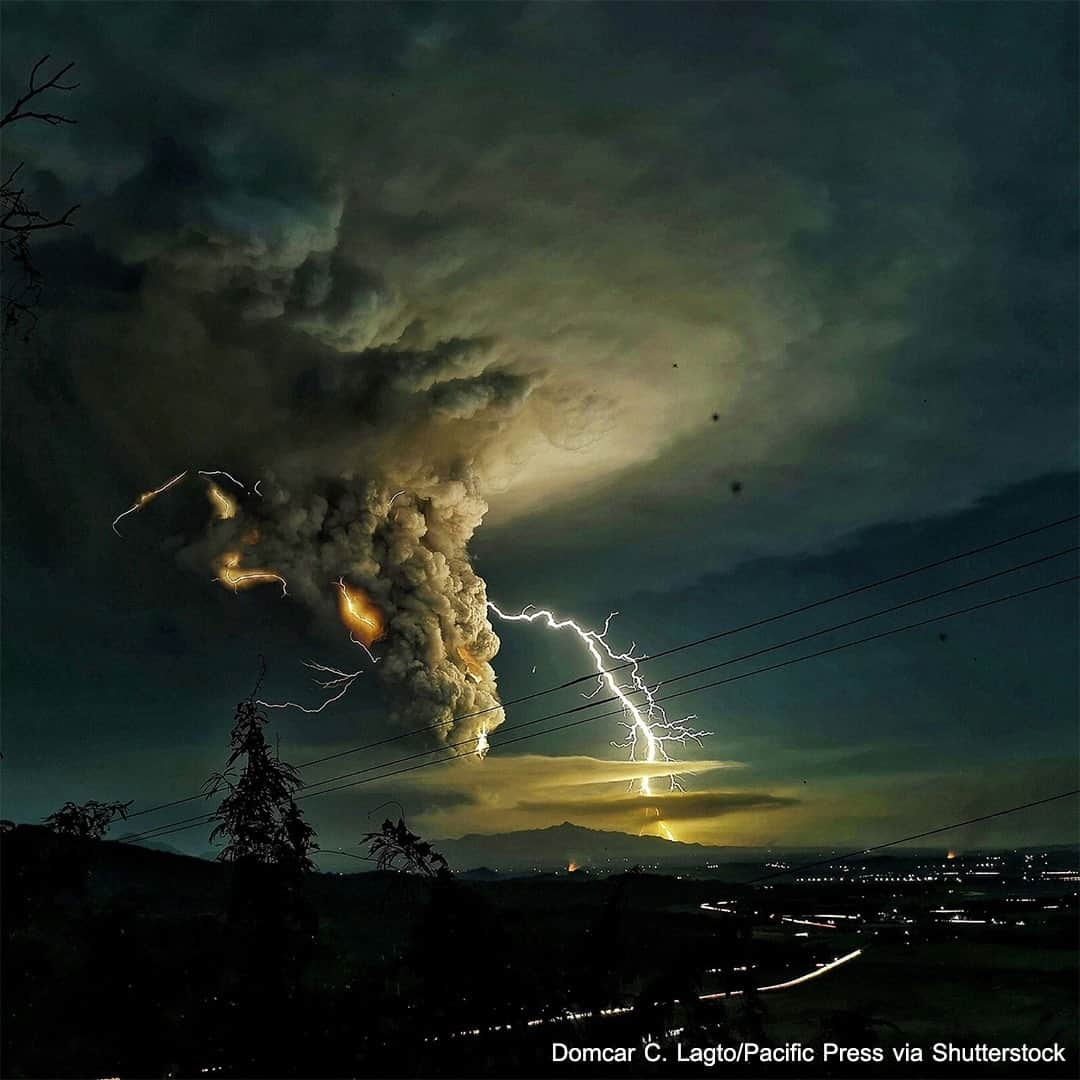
<point>392,974</point>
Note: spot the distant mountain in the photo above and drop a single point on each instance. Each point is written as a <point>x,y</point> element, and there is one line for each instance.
<point>160,845</point>
<point>561,846</point>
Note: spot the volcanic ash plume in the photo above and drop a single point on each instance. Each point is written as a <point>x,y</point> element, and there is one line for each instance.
<point>369,466</point>
<point>390,563</point>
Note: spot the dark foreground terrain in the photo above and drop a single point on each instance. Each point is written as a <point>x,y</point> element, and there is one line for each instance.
<point>120,961</point>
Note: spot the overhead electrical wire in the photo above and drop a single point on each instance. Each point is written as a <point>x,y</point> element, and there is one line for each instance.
<point>386,740</point>
<point>499,740</point>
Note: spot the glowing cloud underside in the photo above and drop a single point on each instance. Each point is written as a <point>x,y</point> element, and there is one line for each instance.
<point>649,732</point>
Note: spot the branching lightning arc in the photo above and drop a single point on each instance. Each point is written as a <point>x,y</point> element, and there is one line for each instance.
<point>649,732</point>
<point>341,682</point>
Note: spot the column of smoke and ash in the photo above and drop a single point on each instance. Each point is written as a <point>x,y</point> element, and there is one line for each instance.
<point>421,424</point>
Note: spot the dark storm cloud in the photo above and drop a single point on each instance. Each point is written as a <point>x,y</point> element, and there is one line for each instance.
<point>358,248</point>
<point>248,354</point>
<point>828,245</point>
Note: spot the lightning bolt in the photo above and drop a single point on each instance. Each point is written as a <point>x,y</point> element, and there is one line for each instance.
<point>224,508</point>
<point>361,616</point>
<point>222,472</point>
<point>370,655</point>
<point>482,744</point>
<point>341,681</point>
<point>357,613</point>
<point>649,731</point>
<point>147,497</point>
<point>230,574</point>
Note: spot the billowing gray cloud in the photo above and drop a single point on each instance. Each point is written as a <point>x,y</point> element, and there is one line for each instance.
<point>828,257</point>
<point>514,261</point>
<point>382,496</point>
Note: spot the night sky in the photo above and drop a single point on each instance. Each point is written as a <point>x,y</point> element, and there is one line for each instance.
<point>717,309</point>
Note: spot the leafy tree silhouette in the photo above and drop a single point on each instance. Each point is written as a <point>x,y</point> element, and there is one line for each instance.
<point>259,818</point>
<point>395,847</point>
<point>272,927</point>
<point>89,821</point>
<point>454,923</point>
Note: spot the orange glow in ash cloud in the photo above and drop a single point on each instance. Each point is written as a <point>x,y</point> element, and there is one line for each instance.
<point>233,576</point>
<point>223,506</point>
<point>472,665</point>
<point>361,617</point>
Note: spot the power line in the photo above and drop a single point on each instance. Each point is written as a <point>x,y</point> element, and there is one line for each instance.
<point>594,702</point>
<point>168,828</point>
<point>675,649</point>
<point>205,818</point>
<point>785,614</point>
<point>913,836</point>
<point>857,620</point>
<point>470,743</point>
<point>695,689</point>
<point>349,854</point>
<point>853,854</point>
<point>711,637</point>
<point>862,851</point>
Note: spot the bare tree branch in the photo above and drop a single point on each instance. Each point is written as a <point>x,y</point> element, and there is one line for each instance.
<point>33,89</point>
<point>18,219</point>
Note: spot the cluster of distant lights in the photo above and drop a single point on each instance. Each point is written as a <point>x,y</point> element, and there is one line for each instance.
<point>925,873</point>
<point>942,915</point>
<point>855,923</point>
<point>852,875</point>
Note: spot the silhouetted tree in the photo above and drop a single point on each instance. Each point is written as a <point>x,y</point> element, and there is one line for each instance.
<point>296,839</point>
<point>90,821</point>
<point>394,847</point>
<point>20,220</point>
<point>457,933</point>
<point>271,926</point>
<point>258,817</point>
<point>458,940</point>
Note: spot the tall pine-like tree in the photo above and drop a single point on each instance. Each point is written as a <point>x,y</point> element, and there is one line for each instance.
<point>258,818</point>
<point>272,926</point>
